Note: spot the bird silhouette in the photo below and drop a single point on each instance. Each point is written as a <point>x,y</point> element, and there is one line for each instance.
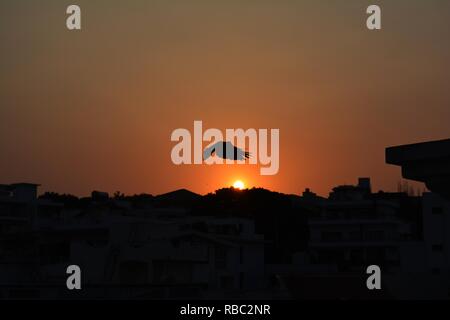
<point>225,150</point>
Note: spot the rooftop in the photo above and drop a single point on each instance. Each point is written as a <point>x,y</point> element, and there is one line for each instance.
<point>427,162</point>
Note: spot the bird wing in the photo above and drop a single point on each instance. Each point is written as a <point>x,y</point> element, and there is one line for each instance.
<point>209,150</point>
<point>240,154</point>
<point>235,153</point>
<point>225,150</point>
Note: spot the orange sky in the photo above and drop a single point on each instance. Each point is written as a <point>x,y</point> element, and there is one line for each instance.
<point>95,109</point>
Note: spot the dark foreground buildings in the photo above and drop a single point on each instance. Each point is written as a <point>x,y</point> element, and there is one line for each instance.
<point>248,244</point>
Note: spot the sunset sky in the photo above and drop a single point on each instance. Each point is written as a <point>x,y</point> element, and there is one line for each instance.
<point>94,109</point>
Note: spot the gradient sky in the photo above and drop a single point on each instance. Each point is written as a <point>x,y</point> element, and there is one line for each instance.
<point>95,109</point>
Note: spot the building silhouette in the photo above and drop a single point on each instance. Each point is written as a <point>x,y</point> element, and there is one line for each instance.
<point>231,244</point>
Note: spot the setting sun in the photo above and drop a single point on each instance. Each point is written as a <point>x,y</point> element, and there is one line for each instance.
<point>239,185</point>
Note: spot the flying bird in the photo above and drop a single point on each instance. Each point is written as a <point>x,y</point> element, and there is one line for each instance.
<point>225,150</point>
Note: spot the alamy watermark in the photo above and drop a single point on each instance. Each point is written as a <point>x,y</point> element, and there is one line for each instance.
<point>236,146</point>
<point>73,21</point>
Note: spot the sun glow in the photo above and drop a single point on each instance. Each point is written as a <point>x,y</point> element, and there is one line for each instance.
<point>239,185</point>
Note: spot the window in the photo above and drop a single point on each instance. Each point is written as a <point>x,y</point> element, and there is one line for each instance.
<point>226,282</point>
<point>57,252</point>
<point>331,236</point>
<point>436,271</point>
<point>375,235</point>
<point>220,257</point>
<point>354,236</point>
<point>133,272</point>
<point>356,256</point>
<point>241,255</point>
<point>241,280</point>
<point>437,248</point>
<point>21,294</point>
